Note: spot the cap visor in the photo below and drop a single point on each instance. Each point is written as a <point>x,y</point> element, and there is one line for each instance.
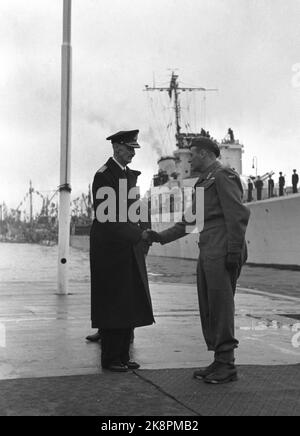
<point>133,144</point>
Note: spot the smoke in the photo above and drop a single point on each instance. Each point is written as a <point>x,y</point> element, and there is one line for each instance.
<point>157,148</point>
<point>93,117</point>
<point>114,116</point>
<point>155,144</point>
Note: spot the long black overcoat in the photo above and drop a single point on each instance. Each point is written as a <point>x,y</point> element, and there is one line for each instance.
<point>120,296</point>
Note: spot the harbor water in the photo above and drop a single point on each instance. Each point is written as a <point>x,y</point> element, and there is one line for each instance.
<point>32,262</point>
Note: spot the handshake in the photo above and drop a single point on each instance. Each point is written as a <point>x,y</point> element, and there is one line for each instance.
<point>150,236</point>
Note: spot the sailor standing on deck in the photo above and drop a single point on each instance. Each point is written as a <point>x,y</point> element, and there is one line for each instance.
<point>295,181</point>
<point>259,184</point>
<point>250,191</point>
<point>120,297</point>
<point>223,251</point>
<point>271,186</point>
<point>281,183</point>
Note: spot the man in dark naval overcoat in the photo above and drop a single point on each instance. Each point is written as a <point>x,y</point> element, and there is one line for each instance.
<point>120,297</point>
<point>223,251</point>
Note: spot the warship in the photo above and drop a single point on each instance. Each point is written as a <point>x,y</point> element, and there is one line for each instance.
<point>273,234</point>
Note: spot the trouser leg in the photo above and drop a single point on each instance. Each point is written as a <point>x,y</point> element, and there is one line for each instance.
<point>115,344</point>
<point>204,305</point>
<point>216,289</point>
<point>125,355</point>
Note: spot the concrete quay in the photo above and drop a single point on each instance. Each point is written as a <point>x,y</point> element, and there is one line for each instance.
<point>44,345</point>
<point>47,367</point>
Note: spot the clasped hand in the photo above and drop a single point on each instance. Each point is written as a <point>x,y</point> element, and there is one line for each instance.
<point>150,236</point>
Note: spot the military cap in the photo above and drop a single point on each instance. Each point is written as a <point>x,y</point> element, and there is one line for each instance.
<point>207,144</point>
<point>128,137</point>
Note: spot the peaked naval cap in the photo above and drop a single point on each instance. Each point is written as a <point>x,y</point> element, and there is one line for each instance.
<point>127,137</point>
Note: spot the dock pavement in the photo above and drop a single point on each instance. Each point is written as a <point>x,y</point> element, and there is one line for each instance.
<point>47,368</point>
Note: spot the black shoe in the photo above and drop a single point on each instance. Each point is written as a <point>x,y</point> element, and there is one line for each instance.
<point>94,338</point>
<point>204,372</point>
<point>132,365</point>
<point>224,373</point>
<point>116,367</point>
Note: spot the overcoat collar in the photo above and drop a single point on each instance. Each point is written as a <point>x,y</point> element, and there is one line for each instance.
<point>118,173</point>
<point>115,169</point>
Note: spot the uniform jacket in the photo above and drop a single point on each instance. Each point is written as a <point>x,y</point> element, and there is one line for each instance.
<point>120,296</point>
<point>259,184</point>
<point>281,181</point>
<point>223,207</point>
<point>295,179</point>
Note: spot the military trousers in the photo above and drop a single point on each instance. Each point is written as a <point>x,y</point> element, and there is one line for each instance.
<point>216,291</point>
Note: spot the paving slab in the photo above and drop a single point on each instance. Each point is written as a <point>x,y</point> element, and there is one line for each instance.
<point>90,395</point>
<point>260,391</point>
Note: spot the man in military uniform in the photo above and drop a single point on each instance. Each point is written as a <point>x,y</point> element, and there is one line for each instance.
<point>295,181</point>
<point>120,297</point>
<point>281,184</point>
<point>222,253</point>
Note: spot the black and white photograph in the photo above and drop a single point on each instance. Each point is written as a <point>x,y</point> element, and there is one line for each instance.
<point>149,210</point>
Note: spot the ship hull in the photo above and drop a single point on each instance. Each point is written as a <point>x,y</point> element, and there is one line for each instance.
<point>273,235</point>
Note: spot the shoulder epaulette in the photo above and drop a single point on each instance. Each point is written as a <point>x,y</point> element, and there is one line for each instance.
<point>104,168</point>
<point>230,171</point>
<point>137,173</point>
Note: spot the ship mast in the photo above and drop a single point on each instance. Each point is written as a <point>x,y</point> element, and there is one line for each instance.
<point>174,90</point>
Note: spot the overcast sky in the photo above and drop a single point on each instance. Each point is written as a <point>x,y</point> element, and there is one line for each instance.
<point>248,49</point>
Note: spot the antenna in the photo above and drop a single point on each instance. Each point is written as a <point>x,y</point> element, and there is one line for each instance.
<point>174,91</point>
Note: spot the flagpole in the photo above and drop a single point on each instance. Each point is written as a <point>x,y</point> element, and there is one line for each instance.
<point>65,157</point>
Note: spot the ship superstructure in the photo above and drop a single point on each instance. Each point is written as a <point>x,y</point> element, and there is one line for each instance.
<point>177,166</point>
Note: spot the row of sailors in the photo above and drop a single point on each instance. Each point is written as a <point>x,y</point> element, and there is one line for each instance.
<point>258,184</point>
